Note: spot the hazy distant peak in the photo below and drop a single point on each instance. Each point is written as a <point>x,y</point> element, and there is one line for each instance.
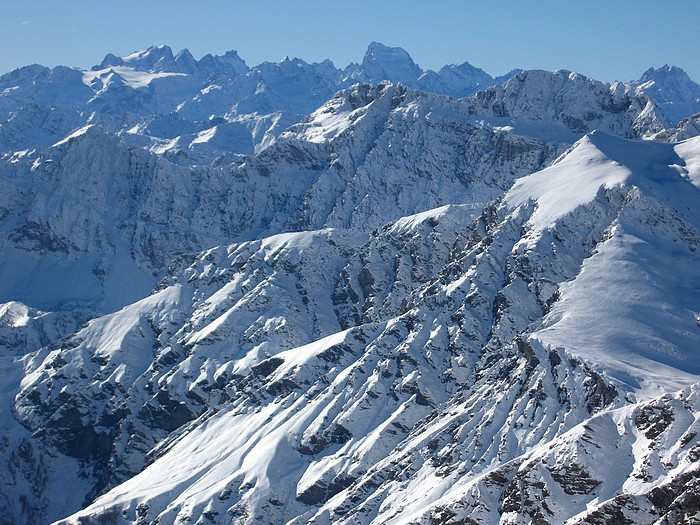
<point>382,63</point>
<point>671,79</point>
<point>160,59</point>
<point>464,66</point>
<point>672,89</point>
<point>155,58</point>
<point>457,80</point>
<point>109,60</point>
<point>229,63</point>
<point>504,78</point>
<point>664,71</point>
<point>184,59</point>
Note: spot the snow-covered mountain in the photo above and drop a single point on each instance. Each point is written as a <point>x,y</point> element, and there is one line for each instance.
<point>196,110</point>
<point>370,155</point>
<point>296,294</point>
<point>409,372</point>
<point>672,90</point>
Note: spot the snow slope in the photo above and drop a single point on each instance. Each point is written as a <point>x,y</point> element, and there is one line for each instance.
<point>367,146</point>
<point>274,295</point>
<point>627,274</point>
<point>498,370</point>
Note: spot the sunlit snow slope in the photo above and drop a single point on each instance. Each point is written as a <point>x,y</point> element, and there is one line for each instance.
<point>294,294</point>
<point>523,374</point>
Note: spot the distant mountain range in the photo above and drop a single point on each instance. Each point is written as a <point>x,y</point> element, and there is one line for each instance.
<point>197,110</point>
<point>298,294</point>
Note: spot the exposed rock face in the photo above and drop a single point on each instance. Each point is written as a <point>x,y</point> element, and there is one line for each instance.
<point>366,147</point>
<point>572,101</point>
<point>196,111</point>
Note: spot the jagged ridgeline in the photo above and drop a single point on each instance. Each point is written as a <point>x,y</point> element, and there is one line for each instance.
<point>298,294</point>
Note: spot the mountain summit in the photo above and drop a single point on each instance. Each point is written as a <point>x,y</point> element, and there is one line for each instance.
<point>159,59</point>
<point>382,63</point>
<point>673,90</point>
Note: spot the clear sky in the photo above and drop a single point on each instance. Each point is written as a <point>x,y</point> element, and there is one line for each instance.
<point>607,40</point>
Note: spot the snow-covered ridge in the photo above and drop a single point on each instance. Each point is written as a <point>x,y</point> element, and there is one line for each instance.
<point>161,59</point>
<point>339,168</point>
<point>365,147</point>
<point>653,182</point>
<point>132,78</point>
<point>165,101</point>
<point>367,362</point>
<point>332,297</point>
<point>129,94</point>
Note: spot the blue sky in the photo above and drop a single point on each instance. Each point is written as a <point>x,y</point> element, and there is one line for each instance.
<point>601,39</point>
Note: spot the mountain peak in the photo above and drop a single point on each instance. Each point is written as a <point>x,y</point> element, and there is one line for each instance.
<point>389,63</point>
<point>457,80</point>
<point>160,59</point>
<point>157,58</point>
<point>664,72</point>
<point>154,59</point>
<point>185,59</point>
<point>672,90</point>
<point>229,63</point>
<point>110,60</point>
<point>397,310</point>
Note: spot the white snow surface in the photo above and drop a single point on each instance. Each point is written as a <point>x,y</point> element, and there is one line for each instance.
<point>689,151</point>
<point>347,304</point>
<point>385,414</point>
<point>642,272</point>
<point>563,187</point>
<point>14,314</point>
<point>133,78</point>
